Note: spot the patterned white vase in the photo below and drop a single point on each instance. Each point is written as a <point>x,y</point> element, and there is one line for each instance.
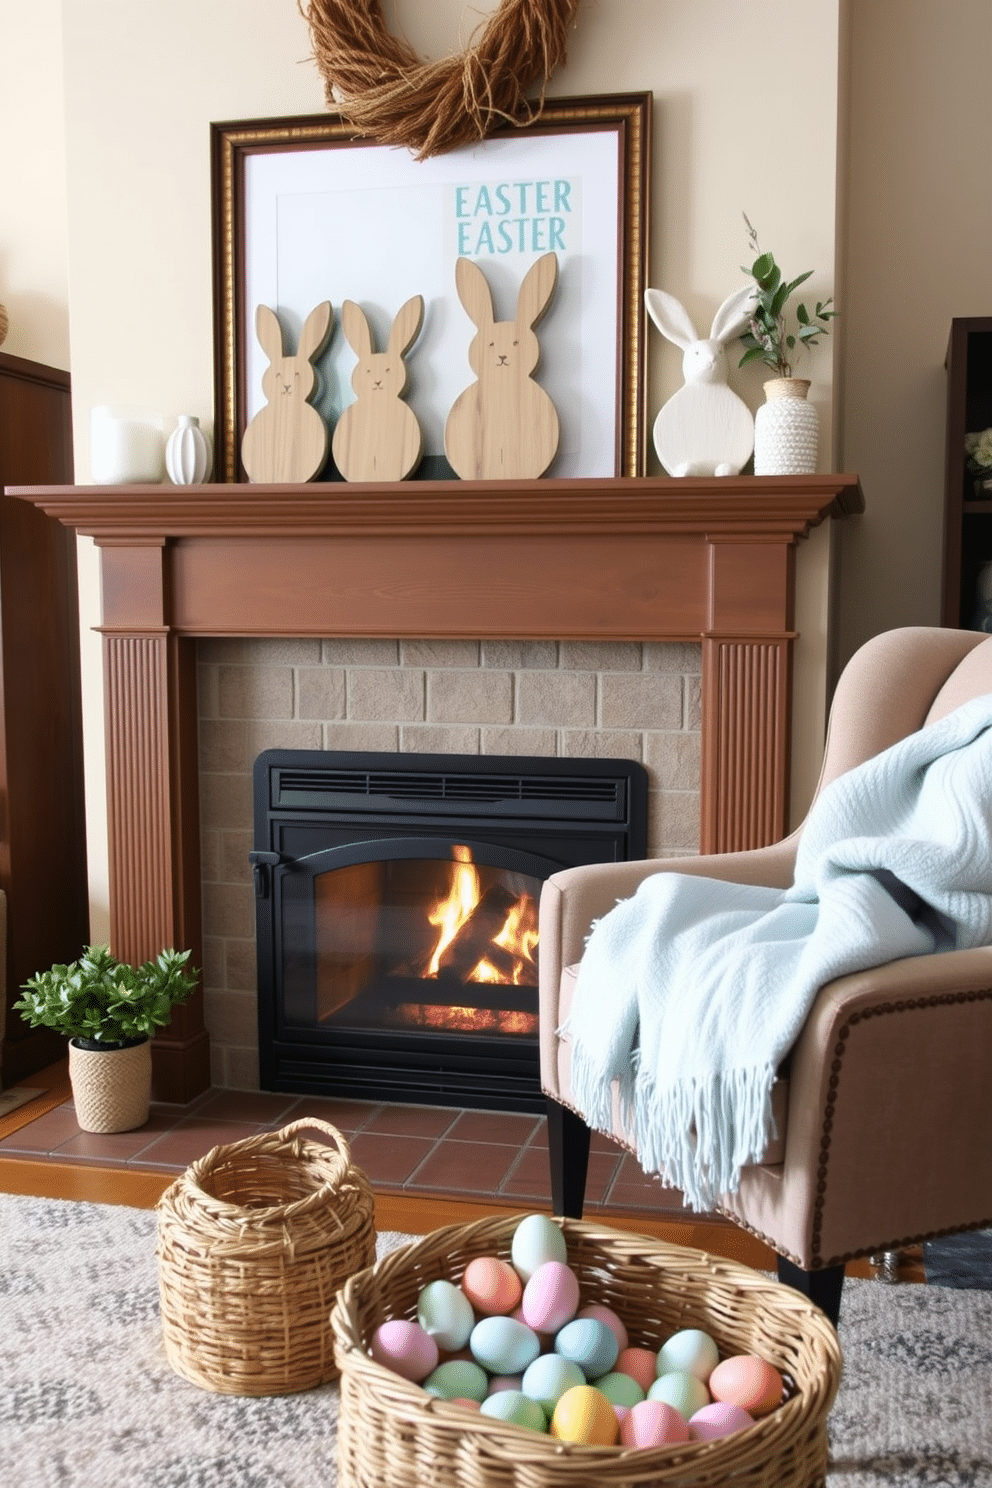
<point>188,455</point>
<point>786,429</point>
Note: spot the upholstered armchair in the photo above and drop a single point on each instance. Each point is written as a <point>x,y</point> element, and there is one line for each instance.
<point>883,1105</point>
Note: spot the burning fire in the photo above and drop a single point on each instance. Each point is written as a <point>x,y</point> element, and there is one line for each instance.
<point>483,937</point>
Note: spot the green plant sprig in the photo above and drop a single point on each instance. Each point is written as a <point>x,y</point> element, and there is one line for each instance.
<point>769,340</point>
<point>104,1000</point>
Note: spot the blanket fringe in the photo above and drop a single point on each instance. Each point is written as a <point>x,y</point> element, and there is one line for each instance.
<point>702,1132</point>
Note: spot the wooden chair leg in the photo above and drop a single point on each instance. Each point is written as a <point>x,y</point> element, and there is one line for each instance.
<point>823,1286</point>
<point>568,1150</point>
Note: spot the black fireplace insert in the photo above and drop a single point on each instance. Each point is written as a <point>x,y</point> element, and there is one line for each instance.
<point>396,915</point>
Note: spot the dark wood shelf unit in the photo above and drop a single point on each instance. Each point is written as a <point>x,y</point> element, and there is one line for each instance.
<point>42,821</point>
<point>967,520</point>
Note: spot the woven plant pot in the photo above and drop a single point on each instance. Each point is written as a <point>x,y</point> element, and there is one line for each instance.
<point>254,1241</point>
<point>392,1434</point>
<point>111,1088</point>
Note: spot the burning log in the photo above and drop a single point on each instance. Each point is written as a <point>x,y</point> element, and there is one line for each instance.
<point>471,942</point>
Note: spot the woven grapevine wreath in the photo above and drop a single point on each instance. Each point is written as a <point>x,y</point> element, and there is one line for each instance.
<point>387,92</point>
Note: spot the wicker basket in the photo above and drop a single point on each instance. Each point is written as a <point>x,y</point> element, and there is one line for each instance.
<point>254,1239</point>
<point>391,1434</point>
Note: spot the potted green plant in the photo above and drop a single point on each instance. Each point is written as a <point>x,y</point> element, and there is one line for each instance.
<point>109,1010</point>
<point>786,432</point>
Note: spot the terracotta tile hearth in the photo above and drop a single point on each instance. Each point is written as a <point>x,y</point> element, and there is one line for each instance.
<point>416,1151</point>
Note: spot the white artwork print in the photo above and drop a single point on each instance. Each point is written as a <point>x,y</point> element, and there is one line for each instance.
<point>368,223</point>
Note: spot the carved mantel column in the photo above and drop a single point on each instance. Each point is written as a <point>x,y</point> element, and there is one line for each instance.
<point>152,800</point>
<point>620,559</point>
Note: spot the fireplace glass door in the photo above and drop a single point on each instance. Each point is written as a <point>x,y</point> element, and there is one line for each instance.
<point>398,952</point>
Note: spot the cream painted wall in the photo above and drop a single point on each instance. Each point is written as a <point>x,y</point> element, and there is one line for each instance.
<point>143,85</point>
<point>123,155</point>
<point>32,182</point>
<point>919,230</point>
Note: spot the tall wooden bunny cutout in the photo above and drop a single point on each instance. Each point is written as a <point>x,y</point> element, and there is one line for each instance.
<point>503,426</point>
<point>704,428</point>
<point>378,437</point>
<point>287,440</point>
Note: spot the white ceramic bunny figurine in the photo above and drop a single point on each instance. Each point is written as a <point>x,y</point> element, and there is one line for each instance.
<point>704,428</point>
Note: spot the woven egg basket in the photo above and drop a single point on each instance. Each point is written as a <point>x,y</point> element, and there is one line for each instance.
<point>254,1240</point>
<point>391,1434</point>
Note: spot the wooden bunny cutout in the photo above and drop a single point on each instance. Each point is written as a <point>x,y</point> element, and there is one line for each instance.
<point>378,438</point>
<point>503,426</point>
<point>704,428</point>
<point>287,440</point>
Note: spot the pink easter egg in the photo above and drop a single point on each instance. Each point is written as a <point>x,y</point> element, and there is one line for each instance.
<point>406,1348</point>
<point>640,1364</point>
<point>652,1423</point>
<point>491,1285</point>
<point>551,1297</point>
<point>500,1382</point>
<point>464,1400</point>
<point>748,1381</point>
<point>719,1419</point>
<point>606,1315</point>
<point>546,1339</point>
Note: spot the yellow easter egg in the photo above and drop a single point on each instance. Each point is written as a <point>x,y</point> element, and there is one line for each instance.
<point>583,1414</point>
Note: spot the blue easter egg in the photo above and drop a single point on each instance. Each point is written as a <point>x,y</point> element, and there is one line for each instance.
<point>589,1343</point>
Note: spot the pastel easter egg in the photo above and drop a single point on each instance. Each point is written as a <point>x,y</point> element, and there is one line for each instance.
<point>653,1423</point>
<point>619,1388</point>
<point>547,1339</point>
<point>610,1318</point>
<point>584,1415</point>
<point>503,1346</point>
<point>684,1392</point>
<point>500,1382</point>
<point>405,1348</point>
<point>491,1285</point>
<point>747,1381</point>
<point>516,1407</point>
<point>457,1379</point>
<point>536,1240</point>
<point>551,1297</point>
<point>640,1364</point>
<point>547,1379</point>
<point>463,1400</point>
<point>588,1343</point>
<point>692,1350</point>
<point>718,1419</point>
<point>444,1311</point>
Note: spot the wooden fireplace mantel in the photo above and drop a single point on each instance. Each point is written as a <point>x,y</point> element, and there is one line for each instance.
<point>616,559</point>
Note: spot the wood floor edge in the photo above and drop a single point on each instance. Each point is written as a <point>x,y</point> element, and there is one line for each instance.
<point>412,1214</point>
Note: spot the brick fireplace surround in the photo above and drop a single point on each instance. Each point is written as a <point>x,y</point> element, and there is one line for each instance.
<point>502,578</point>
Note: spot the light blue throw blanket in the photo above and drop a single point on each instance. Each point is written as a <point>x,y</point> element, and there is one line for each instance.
<point>690,993</point>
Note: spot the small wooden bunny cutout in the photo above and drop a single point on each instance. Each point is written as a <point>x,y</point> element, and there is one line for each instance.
<point>378,438</point>
<point>503,426</point>
<point>704,428</point>
<point>287,440</point>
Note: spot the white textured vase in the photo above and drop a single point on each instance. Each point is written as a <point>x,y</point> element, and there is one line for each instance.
<point>786,429</point>
<point>188,455</point>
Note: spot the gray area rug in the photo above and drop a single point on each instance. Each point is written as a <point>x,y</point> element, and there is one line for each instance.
<point>963,1260</point>
<point>87,1399</point>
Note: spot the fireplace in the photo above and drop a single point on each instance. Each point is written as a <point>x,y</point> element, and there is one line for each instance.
<point>629,558</point>
<point>396,914</point>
